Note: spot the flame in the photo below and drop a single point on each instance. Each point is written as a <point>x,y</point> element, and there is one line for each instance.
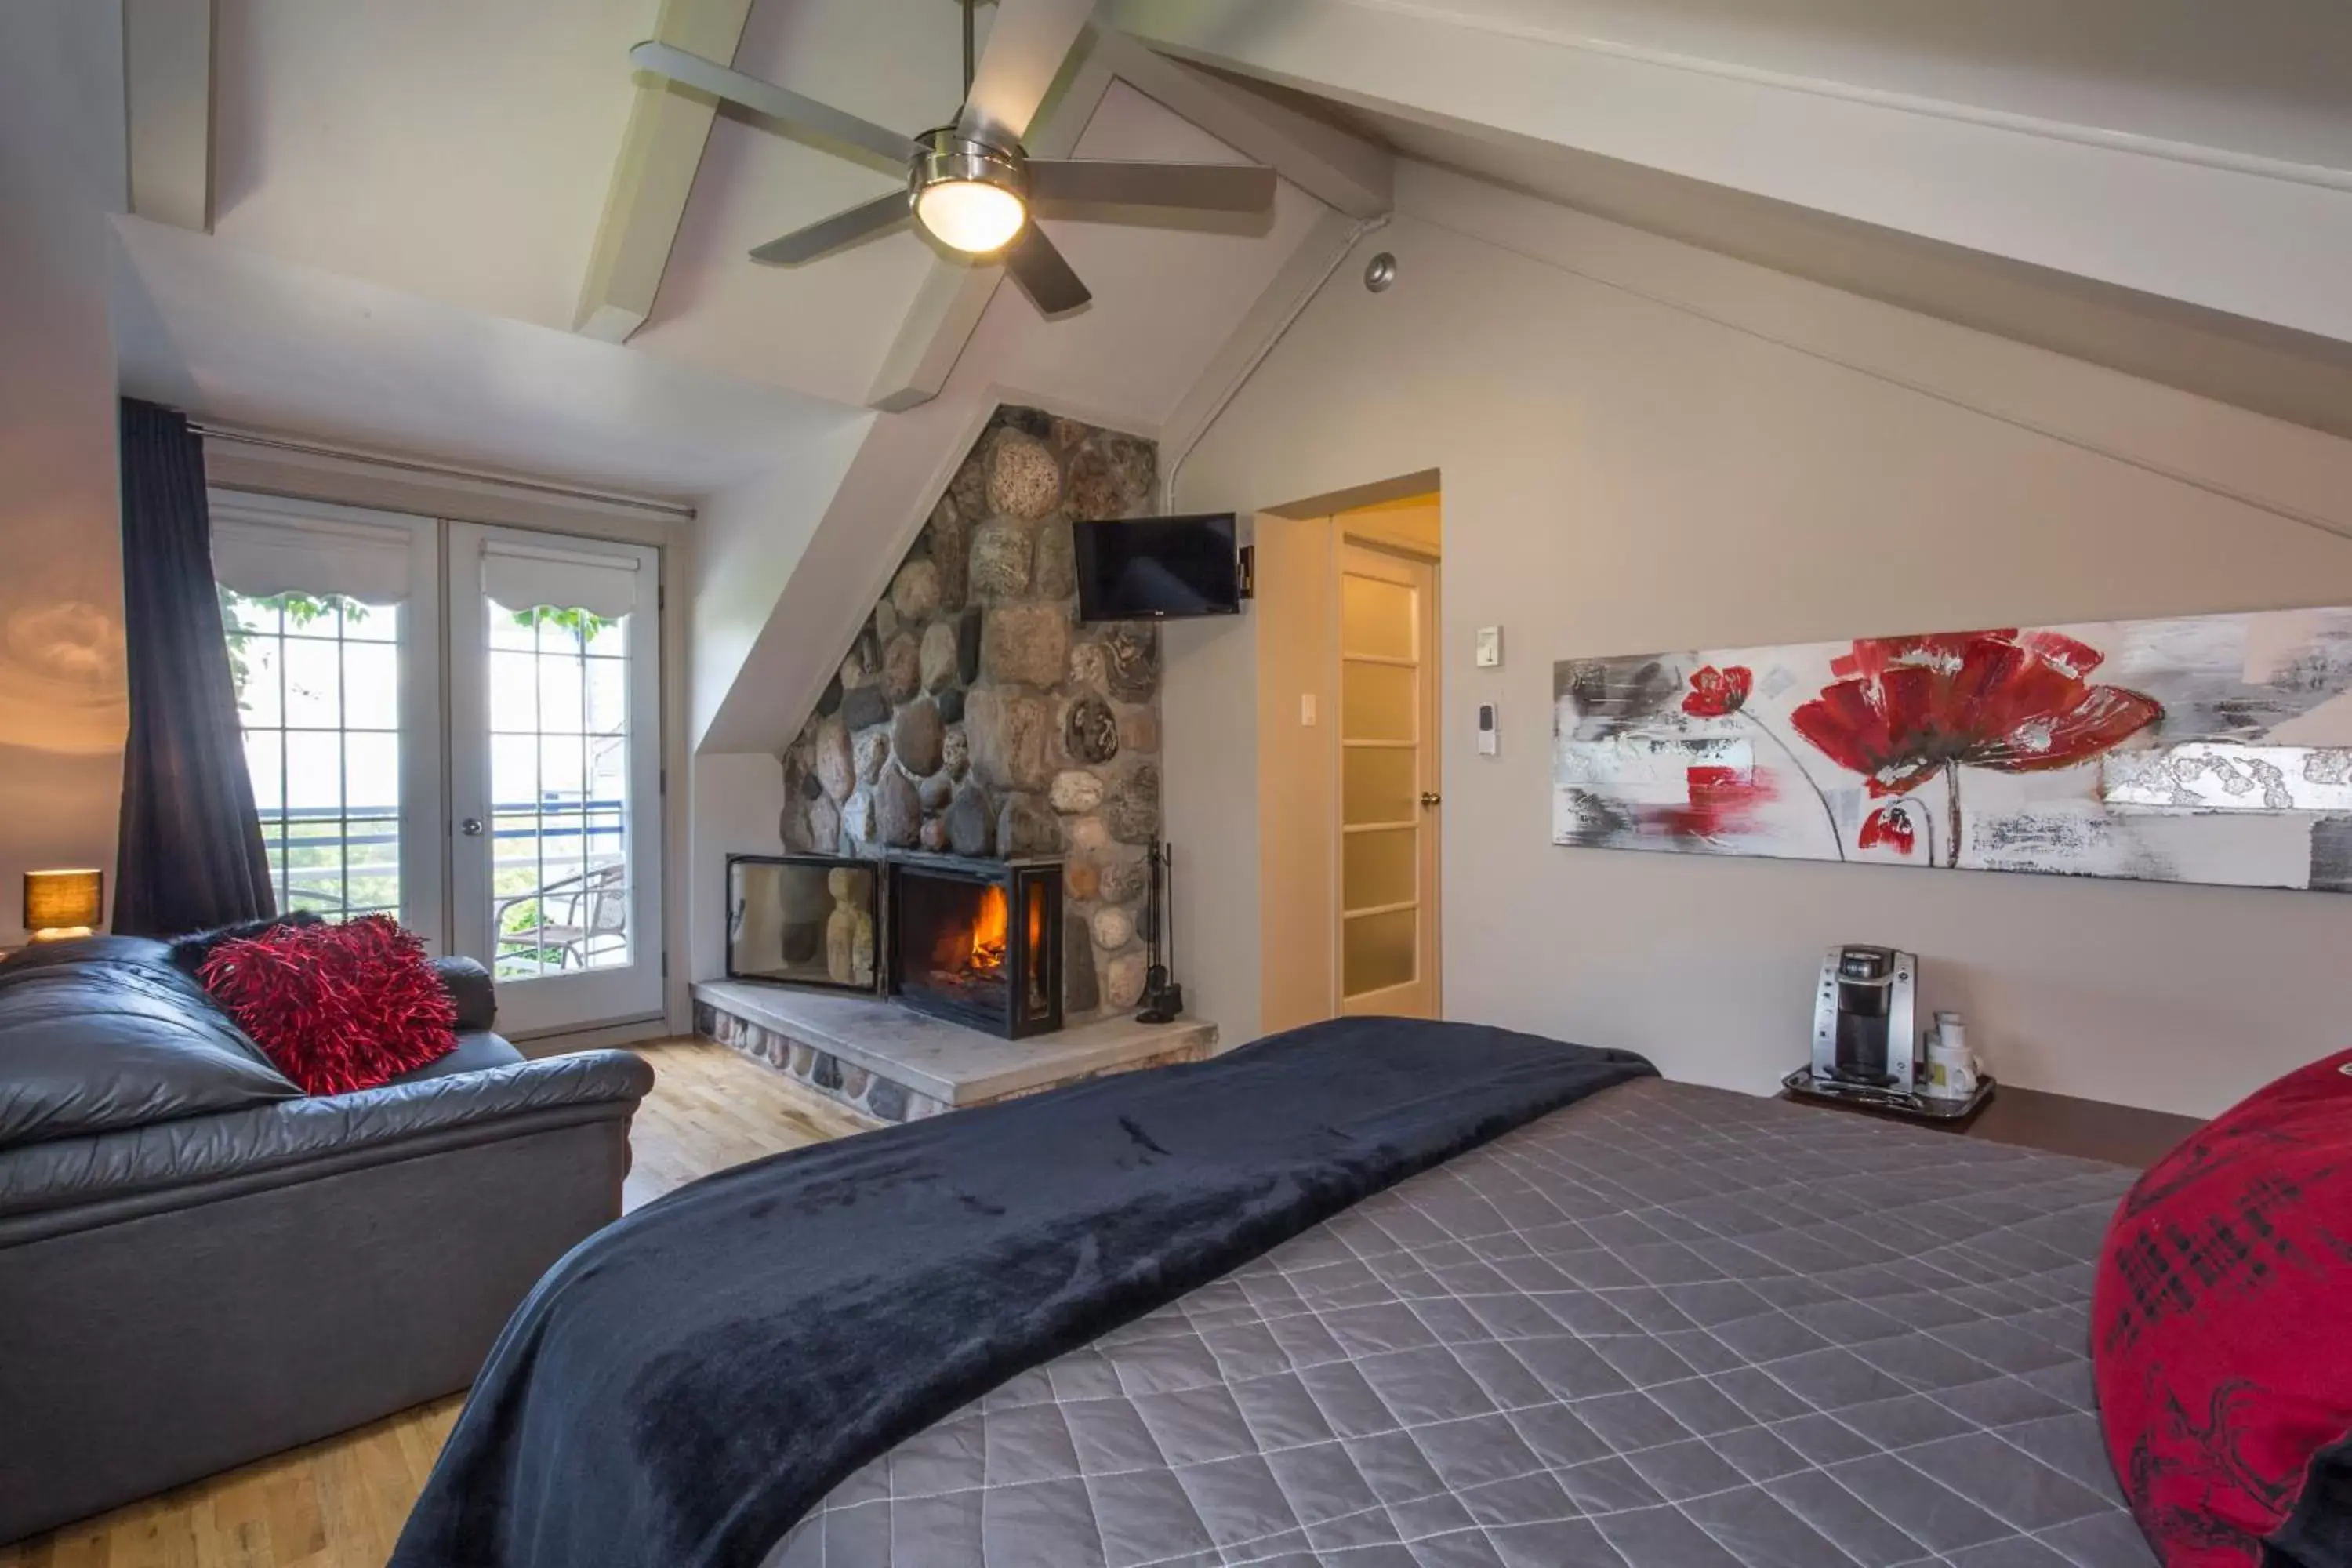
<point>990,924</point>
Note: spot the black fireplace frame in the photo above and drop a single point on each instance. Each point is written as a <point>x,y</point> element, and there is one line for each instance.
<point>1023,880</point>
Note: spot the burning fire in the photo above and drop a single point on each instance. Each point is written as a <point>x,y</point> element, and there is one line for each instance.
<point>989,926</point>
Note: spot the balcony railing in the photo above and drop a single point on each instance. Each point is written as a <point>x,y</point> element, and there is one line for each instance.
<point>343,862</point>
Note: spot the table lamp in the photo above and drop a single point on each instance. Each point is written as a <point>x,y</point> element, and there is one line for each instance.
<point>61,904</point>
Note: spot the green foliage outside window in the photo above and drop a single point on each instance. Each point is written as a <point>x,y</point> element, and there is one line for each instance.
<point>300,610</point>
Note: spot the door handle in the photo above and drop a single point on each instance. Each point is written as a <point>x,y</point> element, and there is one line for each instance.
<point>471,827</point>
<point>1430,797</point>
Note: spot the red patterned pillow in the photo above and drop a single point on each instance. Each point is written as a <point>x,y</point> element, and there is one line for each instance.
<point>2217,1336</point>
<point>336,1007</point>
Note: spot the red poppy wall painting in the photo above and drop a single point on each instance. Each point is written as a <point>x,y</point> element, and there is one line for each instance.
<point>2207,749</point>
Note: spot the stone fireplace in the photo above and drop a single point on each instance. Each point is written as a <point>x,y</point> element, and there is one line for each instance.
<point>978,943</point>
<point>974,715</point>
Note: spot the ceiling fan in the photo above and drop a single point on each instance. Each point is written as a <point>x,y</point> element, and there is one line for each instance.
<point>970,185</point>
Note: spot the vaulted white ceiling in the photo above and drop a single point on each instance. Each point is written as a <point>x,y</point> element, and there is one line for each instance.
<point>407,198</point>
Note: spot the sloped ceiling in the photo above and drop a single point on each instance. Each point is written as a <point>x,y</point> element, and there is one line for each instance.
<point>453,148</point>
<point>2192,152</point>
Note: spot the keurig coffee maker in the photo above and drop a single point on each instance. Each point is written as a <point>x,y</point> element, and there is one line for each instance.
<point>1866,1019</point>
<point>1867,1043</point>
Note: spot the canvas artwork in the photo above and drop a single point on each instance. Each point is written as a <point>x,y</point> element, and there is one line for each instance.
<point>2206,749</point>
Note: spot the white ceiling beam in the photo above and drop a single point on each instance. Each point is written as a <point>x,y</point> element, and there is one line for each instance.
<point>167,69</point>
<point>953,293</point>
<point>2253,235</point>
<point>661,150</point>
<point>1341,171</point>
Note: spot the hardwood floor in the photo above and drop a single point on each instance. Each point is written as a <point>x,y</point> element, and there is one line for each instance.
<point>340,1503</point>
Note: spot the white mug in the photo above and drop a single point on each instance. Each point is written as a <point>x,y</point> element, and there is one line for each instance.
<point>1951,1070</point>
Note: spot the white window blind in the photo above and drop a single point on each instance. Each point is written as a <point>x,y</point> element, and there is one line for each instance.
<point>306,555</point>
<point>530,577</point>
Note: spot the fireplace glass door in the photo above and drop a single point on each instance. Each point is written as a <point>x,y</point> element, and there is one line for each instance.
<point>980,947</point>
<point>808,920</point>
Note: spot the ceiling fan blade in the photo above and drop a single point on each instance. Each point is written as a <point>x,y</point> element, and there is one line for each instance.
<point>1040,270</point>
<point>1027,43</point>
<point>768,99</point>
<point>1211,187</point>
<point>860,222</point>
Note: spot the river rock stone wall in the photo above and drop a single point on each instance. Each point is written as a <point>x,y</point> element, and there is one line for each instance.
<point>974,715</point>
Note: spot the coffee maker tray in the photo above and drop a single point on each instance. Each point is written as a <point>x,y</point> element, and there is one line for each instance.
<point>1803,1085</point>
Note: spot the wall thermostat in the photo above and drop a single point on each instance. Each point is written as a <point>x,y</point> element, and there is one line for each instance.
<point>1490,730</point>
<point>1490,646</point>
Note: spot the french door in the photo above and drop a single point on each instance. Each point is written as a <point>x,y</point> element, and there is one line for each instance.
<point>459,726</point>
<point>1387,784</point>
<point>555,772</point>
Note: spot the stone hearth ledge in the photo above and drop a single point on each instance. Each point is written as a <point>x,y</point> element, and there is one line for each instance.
<point>954,1066</point>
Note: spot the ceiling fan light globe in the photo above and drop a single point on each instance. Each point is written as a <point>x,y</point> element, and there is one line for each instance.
<point>971,215</point>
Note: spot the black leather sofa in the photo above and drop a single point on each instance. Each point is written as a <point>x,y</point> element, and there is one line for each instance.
<point>200,1265</point>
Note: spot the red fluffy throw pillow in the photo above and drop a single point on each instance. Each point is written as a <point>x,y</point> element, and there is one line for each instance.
<point>336,1007</point>
<point>2218,1333</point>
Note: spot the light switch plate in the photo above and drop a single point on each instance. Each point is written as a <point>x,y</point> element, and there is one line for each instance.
<point>1490,730</point>
<point>1306,709</point>
<point>1490,648</point>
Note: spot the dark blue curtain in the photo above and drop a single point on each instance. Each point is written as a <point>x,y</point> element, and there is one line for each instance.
<point>191,854</point>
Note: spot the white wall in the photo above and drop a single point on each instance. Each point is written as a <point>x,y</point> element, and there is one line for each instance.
<point>749,543</point>
<point>61,686</point>
<point>1645,447</point>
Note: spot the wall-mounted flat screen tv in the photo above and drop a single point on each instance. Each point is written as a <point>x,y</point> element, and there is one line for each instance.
<point>1158,568</point>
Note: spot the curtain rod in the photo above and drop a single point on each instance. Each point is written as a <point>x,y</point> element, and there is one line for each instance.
<point>437,470</point>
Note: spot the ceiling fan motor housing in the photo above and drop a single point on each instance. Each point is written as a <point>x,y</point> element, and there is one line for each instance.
<point>973,195</point>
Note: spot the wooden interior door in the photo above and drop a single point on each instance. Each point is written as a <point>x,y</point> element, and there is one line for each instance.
<point>1389,784</point>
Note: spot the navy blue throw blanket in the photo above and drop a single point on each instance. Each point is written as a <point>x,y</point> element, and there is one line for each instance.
<point>690,1381</point>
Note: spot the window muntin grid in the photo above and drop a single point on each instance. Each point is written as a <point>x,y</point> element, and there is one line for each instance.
<point>560,814</point>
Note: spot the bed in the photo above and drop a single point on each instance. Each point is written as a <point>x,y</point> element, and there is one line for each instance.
<point>1667,1326</point>
<point>1661,1326</point>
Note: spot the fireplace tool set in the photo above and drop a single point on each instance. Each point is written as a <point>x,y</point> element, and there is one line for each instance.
<point>1163,998</point>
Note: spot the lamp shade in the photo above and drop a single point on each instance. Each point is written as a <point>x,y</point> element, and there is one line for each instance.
<point>64,901</point>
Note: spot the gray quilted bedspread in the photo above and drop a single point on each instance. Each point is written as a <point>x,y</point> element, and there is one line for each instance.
<point>1665,1328</point>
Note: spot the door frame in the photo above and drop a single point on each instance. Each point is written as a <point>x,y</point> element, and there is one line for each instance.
<point>651,859</point>
<point>1429,897</point>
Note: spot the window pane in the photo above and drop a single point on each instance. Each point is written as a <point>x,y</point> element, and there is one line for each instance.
<point>507,631</point>
<point>314,772</point>
<point>608,697</point>
<point>263,751</point>
<point>314,678</point>
<point>370,623</point>
<point>1376,701</point>
<point>255,665</point>
<point>371,764</point>
<point>241,614</point>
<point>563,775</point>
<point>370,686</point>
<point>1375,618</point>
<point>1375,784</point>
<point>610,638</point>
<point>514,693</point>
<point>1376,952</point>
<point>1378,868</point>
<point>560,696</point>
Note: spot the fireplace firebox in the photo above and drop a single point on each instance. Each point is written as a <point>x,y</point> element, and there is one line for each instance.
<point>978,943</point>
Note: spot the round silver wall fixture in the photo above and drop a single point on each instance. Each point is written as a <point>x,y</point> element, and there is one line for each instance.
<point>1380,272</point>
